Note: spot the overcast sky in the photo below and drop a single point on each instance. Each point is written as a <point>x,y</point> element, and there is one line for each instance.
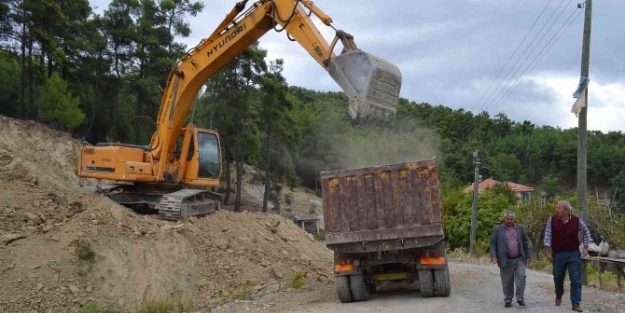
<point>478,55</point>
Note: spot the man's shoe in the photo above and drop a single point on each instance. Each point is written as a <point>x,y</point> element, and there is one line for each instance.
<point>577,308</point>
<point>558,300</point>
<point>508,304</point>
<point>521,303</point>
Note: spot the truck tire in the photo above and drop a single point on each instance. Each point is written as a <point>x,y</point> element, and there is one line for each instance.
<point>359,288</point>
<point>343,289</point>
<point>441,280</point>
<point>426,283</point>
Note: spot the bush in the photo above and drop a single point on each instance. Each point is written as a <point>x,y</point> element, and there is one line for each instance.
<point>321,235</point>
<point>606,224</point>
<point>84,251</point>
<point>244,294</point>
<point>298,280</point>
<point>457,216</point>
<point>533,215</point>
<point>58,108</point>
<point>92,307</point>
<point>164,306</point>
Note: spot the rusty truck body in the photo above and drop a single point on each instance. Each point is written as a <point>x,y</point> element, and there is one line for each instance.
<point>384,223</point>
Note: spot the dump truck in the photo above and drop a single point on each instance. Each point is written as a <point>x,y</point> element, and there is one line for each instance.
<point>384,223</point>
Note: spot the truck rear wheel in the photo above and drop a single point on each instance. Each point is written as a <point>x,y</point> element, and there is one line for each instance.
<point>441,280</point>
<point>426,283</point>
<point>343,289</point>
<point>359,288</point>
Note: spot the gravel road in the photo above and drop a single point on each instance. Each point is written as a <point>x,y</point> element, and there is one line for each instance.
<point>475,288</point>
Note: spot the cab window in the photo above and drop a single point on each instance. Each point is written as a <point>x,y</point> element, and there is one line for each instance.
<point>208,147</point>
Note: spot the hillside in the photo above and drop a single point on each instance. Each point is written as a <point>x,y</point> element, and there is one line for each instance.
<point>61,249</point>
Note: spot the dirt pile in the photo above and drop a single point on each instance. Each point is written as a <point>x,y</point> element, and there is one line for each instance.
<point>35,153</point>
<point>62,249</point>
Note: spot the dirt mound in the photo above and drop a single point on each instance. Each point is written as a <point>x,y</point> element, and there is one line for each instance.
<point>35,153</point>
<point>62,249</point>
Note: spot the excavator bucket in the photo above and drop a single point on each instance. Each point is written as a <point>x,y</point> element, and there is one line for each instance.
<point>371,84</point>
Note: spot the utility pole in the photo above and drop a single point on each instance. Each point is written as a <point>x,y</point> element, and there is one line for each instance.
<point>582,149</point>
<point>476,182</point>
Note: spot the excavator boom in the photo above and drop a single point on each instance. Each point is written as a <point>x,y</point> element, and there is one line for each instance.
<point>174,173</point>
<point>371,83</point>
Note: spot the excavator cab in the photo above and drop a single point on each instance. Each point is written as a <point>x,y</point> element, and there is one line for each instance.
<point>203,162</point>
<point>209,158</point>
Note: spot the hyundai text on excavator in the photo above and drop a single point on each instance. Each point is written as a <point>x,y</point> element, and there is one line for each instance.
<point>176,172</point>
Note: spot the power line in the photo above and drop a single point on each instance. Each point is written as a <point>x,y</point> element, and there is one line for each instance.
<point>523,53</point>
<point>537,59</point>
<point>494,104</point>
<point>511,56</point>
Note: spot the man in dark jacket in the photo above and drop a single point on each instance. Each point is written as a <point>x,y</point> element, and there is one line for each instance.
<point>511,250</point>
<point>562,242</point>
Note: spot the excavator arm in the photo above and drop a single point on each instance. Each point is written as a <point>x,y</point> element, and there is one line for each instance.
<point>371,84</point>
<point>174,174</point>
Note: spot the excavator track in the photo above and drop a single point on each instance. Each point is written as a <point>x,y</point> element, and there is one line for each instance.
<point>188,202</point>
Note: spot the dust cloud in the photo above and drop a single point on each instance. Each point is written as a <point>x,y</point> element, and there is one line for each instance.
<point>387,147</point>
<point>357,146</point>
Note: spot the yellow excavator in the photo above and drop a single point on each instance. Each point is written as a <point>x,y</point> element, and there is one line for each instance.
<point>182,164</point>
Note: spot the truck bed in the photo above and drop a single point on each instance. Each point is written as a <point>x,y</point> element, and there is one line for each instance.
<point>382,208</point>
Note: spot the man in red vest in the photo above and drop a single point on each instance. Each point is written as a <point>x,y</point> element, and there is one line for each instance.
<point>562,242</point>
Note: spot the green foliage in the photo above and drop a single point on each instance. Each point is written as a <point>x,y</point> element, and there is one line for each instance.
<point>243,293</point>
<point>504,190</point>
<point>482,246</point>
<point>541,264</point>
<point>507,166</point>
<point>617,186</point>
<point>298,280</point>
<point>550,187</point>
<point>58,107</point>
<point>606,223</point>
<point>321,235</point>
<point>280,135</point>
<point>457,216</point>
<point>92,307</point>
<point>164,306</point>
<point>10,73</point>
<point>83,250</point>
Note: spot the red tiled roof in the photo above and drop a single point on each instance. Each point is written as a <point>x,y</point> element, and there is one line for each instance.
<point>490,183</point>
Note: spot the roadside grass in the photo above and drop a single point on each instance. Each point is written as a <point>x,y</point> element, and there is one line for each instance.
<point>157,306</point>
